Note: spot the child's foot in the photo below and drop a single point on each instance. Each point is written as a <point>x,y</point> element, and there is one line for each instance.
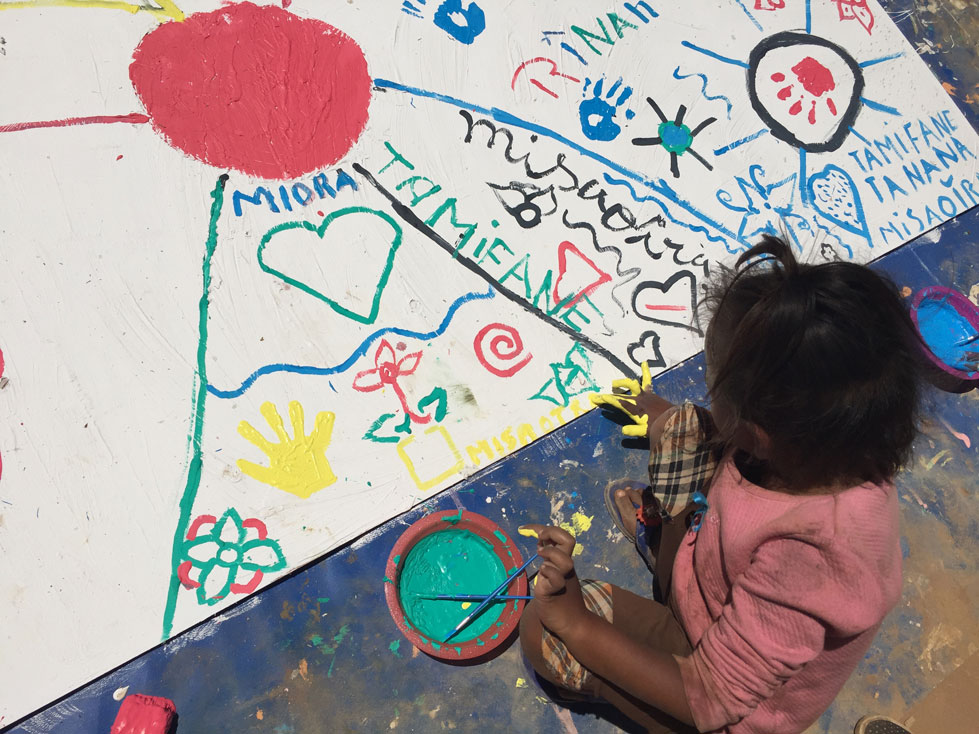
<point>878,725</point>
<point>628,501</point>
<point>623,501</point>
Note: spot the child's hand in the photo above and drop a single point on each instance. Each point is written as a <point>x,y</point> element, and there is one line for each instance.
<point>557,594</point>
<point>635,400</point>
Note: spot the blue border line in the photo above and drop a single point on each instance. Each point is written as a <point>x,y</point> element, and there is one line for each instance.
<point>714,55</point>
<point>358,353</point>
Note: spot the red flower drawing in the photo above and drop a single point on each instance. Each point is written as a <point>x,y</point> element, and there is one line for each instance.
<point>388,369</point>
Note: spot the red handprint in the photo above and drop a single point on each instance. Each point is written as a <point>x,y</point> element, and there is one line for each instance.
<point>815,79</point>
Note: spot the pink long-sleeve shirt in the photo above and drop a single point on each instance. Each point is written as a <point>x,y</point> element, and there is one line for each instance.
<point>781,596</point>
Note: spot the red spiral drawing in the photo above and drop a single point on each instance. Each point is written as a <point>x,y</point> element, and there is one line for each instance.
<point>499,349</point>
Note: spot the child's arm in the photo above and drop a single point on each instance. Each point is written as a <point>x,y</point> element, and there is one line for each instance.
<point>651,675</point>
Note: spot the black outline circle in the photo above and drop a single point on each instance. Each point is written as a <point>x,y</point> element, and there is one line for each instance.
<point>849,116</point>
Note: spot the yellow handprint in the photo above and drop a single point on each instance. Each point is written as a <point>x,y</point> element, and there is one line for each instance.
<point>620,401</point>
<point>297,465</point>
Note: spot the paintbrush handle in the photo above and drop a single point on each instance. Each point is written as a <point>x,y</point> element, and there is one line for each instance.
<point>496,592</point>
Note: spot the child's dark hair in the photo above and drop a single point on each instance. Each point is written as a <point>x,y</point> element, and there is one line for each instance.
<point>823,358</point>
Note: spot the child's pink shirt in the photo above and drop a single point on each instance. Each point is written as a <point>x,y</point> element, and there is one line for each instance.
<point>781,596</point>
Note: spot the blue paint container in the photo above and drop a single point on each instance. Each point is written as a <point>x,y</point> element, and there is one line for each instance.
<point>949,326</point>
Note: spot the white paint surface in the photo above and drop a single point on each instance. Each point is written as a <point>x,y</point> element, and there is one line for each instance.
<point>100,278</point>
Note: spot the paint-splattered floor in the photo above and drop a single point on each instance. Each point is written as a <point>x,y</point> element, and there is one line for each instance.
<point>318,652</point>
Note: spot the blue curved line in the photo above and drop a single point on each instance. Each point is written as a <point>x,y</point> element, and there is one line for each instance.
<point>358,352</point>
<point>703,90</point>
<point>611,180</point>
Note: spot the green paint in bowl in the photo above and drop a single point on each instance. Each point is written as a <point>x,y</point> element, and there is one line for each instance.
<point>452,561</point>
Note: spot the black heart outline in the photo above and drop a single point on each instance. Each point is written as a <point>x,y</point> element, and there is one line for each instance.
<point>637,345</point>
<point>664,287</point>
<point>849,116</point>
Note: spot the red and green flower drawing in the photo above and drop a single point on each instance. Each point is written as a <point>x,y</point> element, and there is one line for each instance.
<point>227,555</point>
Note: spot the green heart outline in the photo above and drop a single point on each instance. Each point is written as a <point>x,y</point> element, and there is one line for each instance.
<point>320,230</point>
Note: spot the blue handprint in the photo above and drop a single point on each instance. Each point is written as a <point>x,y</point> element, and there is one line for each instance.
<point>597,113</point>
<point>462,23</point>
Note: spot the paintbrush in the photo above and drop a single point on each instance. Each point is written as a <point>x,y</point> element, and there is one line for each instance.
<point>489,599</point>
<point>472,597</point>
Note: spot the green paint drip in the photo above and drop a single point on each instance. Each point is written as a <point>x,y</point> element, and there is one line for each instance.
<point>453,519</point>
<point>394,647</point>
<point>501,537</point>
<point>451,561</point>
<point>397,560</point>
<point>197,412</point>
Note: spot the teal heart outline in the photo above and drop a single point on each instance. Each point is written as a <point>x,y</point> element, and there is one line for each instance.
<point>320,230</point>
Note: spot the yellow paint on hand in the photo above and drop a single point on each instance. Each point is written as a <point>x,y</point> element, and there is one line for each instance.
<point>527,532</point>
<point>167,10</point>
<point>619,400</point>
<point>297,465</point>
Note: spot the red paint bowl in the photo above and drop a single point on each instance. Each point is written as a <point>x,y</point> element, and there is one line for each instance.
<point>506,550</point>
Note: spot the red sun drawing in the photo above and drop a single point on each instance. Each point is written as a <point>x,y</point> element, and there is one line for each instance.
<point>255,89</point>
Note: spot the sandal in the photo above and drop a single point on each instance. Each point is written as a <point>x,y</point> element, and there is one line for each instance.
<point>639,531</point>
<point>626,526</point>
<point>878,725</point>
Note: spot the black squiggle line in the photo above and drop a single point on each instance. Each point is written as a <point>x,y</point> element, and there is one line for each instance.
<point>410,218</point>
<point>632,273</point>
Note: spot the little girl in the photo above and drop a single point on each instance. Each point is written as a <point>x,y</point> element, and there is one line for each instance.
<point>782,575</point>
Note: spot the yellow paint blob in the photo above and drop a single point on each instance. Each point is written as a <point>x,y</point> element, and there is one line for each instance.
<point>521,683</point>
<point>466,604</point>
<point>527,532</point>
<point>580,523</point>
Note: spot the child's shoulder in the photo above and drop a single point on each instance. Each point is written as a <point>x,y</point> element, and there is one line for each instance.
<point>867,510</point>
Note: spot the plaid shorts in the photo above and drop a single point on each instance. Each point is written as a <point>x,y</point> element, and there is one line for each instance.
<point>681,463</point>
<point>563,666</point>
